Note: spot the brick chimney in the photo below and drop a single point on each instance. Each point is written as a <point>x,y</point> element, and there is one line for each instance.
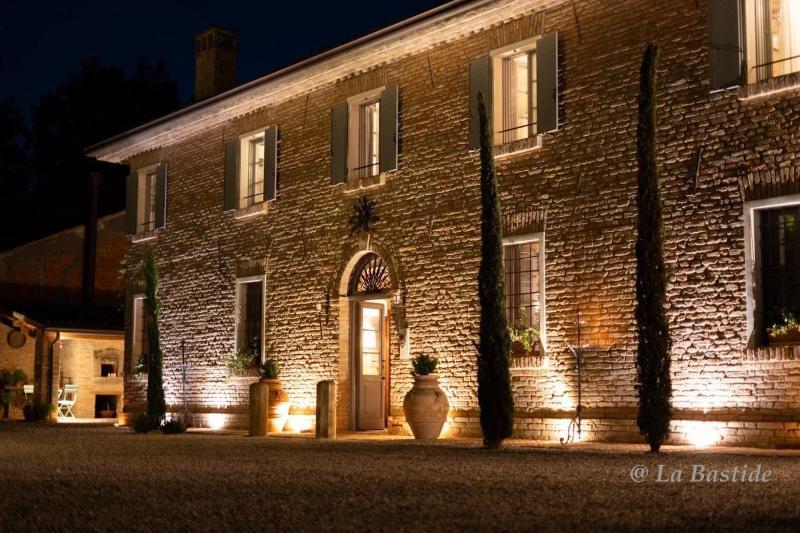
<point>215,51</point>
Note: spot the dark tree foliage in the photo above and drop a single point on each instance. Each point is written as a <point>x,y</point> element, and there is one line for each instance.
<point>653,357</point>
<point>156,406</point>
<point>494,383</point>
<point>15,173</point>
<point>94,104</point>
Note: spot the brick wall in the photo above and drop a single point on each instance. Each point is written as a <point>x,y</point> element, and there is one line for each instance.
<point>581,180</point>
<point>47,272</point>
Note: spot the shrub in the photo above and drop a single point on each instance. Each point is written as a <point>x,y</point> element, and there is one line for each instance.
<point>173,426</point>
<point>269,370</point>
<point>34,412</point>
<point>143,423</point>
<point>494,380</point>
<point>424,364</point>
<point>244,358</point>
<point>788,324</point>
<point>522,333</point>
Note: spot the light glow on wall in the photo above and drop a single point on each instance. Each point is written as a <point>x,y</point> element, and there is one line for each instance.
<point>299,424</point>
<point>703,434</point>
<point>216,420</point>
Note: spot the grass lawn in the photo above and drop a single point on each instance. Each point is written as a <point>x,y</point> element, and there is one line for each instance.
<point>75,478</point>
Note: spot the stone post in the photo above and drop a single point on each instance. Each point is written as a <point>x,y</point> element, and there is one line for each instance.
<point>259,409</point>
<point>326,409</point>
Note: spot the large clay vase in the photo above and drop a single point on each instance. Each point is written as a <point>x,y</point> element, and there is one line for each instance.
<point>425,407</point>
<point>278,406</point>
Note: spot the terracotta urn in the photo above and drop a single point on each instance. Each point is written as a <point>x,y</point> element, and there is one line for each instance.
<point>278,405</point>
<point>425,407</point>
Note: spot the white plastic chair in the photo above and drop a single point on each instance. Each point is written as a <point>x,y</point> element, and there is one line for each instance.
<point>27,390</point>
<point>67,400</point>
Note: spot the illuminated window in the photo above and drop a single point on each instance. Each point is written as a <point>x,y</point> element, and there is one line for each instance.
<point>779,269</point>
<point>523,262</point>
<point>250,314</point>
<point>251,184</point>
<point>773,38</point>
<point>515,92</point>
<point>146,216</point>
<point>364,135</point>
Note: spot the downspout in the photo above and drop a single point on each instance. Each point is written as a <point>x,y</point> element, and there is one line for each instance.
<point>90,243</point>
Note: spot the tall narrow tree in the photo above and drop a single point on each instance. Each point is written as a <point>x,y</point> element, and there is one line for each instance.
<point>156,406</point>
<point>653,357</point>
<point>494,383</point>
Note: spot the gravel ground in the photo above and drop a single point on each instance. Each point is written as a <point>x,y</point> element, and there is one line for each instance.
<point>84,479</point>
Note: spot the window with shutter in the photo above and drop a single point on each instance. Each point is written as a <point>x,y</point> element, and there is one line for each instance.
<point>772,29</point>
<point>147,192</point>
<point>250,315</point>
<point>371,136</point>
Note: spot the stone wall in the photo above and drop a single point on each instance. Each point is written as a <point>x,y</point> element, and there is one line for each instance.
<point>77,361</point>
<point>581,181</point>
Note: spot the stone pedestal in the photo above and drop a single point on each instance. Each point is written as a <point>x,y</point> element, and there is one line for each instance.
<point>259,409</point>
<point>326,409</point>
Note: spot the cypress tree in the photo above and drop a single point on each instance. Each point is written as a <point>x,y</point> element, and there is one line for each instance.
<point>156,406</point>
<point>494,383</point>
<point>653,358</point>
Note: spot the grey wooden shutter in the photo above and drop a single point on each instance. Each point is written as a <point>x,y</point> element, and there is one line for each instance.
<point>388,129</point>
<point>271,163</point>
<point>231,174</point>
<point>547,83</point>
<point>131,203</point>
<point>726,46</point>
<point>480,81</point>
<point>161,195</point>
<point>339,143</point>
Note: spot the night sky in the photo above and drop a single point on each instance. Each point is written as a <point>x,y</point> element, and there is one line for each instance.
<point>42,42</point>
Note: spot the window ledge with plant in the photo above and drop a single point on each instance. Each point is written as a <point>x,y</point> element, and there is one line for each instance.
<point>244,363</point>
<point>786,332</point>
<point>770,86</point>
<point>518,147</point>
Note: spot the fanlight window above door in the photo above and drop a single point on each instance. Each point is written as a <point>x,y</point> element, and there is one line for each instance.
<point>370,276</point>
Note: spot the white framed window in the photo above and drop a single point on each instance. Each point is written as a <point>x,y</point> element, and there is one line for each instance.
<point>524,263</point>
<point>772,262</point>
<point>772,33</point>
<point>364,135</point>
<point>250,315</point>
<point>514,88</point>
<point>139,328</point>
<point>251,169</point>
<point>146,212</point>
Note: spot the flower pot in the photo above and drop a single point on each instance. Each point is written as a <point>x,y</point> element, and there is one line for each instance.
<point>278,405</point>
<point>425,407</point>
<point>107,413</point>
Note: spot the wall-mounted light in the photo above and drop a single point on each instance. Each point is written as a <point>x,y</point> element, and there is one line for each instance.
<point>399,312</point>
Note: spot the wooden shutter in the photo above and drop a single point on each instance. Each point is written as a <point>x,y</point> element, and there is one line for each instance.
<point>131,203</point>
<point>231,174</point>
<point>161,195</point>
<point>388,129</point>
<point>339,143</point>
<point>547,83</point>
<point>271,163</point>
<point>480,81</point>
<point>726,46</point>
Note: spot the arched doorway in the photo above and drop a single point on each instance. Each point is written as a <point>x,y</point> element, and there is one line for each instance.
<point>369,291</point>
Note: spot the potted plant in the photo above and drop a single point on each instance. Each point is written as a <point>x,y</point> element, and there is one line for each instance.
<point>524,339</point>
<point>785,333</point>
<point>364,218</point>
<point>278,399</point>
<point>10,380</point>
<point>425,405</point>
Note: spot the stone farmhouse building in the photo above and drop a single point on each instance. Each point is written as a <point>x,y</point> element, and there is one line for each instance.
<point>245,196</point>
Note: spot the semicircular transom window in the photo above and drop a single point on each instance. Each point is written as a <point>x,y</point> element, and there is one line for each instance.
<point>371,275</point>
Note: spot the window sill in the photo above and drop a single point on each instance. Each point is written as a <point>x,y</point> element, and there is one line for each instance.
<point>519,147</point>
<point>769,87</point>
<point>358,184</point>
<point>145,236</point>
<point>251,211</point>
